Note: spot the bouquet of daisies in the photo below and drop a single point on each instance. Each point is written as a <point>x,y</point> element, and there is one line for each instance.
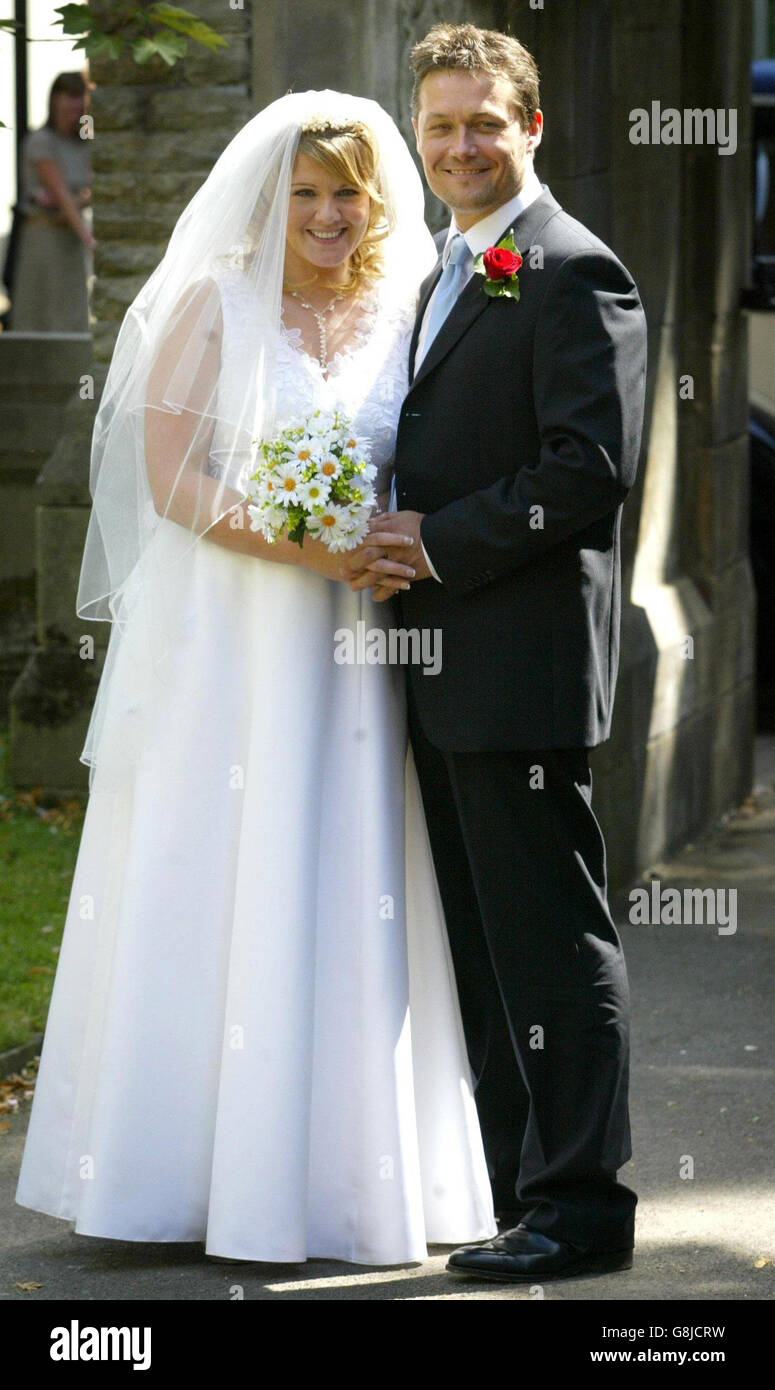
<point>314,477</point>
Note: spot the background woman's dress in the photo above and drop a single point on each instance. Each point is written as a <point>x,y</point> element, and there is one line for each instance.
<point>49,289</point>
<point>254,1038</point>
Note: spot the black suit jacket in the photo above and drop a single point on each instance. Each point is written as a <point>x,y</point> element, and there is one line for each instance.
<point>519,440</point>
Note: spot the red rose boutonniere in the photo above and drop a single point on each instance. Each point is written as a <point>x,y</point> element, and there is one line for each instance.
<point>499,265</point>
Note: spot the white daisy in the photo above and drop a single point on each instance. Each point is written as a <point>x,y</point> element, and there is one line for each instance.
<point>268,520</point>
<point>314,491</point>
<point>303,451</point>
<point>355,445</point>
<point>347,539</point>
<point>265,490</point>
<point>329,466</point>
<point>330,525</point>
<point>287,477</point>
<point>366,496</point>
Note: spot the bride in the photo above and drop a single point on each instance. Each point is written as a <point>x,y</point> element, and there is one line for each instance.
<point>254,1039</point>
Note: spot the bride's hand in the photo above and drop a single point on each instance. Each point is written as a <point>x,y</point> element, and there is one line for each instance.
<point>315,555</point>
<point>377,556</point>
<point>350,565</point>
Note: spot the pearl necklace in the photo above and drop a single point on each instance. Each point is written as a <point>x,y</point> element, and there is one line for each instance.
<point>318,313</point>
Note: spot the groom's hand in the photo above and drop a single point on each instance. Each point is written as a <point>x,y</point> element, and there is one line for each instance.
<point>380,558</point>
<point>373,576</point>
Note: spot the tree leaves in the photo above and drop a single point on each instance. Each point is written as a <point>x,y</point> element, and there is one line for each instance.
<point>169,46</point>
<point>76,19</point>
<point>154,31</point>
<point>185,23</point>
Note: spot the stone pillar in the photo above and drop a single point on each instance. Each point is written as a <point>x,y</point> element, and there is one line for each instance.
<point>680,751</point>
<point>38,371</point>
<point>713,425</point>
<point>52,699</point>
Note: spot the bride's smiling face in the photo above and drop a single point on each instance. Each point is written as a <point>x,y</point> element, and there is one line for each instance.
<point>327,219</point>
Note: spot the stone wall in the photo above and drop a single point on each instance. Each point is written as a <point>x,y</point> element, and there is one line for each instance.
<point>362,47</point>
<point>38,373</point>
<point>158,132</point>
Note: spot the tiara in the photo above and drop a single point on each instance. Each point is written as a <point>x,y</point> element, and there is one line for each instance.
<point>336,124</point>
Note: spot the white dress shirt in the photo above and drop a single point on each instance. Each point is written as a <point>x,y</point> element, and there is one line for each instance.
<point>483,234</point>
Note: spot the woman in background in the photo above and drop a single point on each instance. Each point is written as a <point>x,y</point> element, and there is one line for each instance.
<point>49,277</point>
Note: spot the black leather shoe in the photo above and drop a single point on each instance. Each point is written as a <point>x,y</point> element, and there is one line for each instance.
<point>525,1256</point>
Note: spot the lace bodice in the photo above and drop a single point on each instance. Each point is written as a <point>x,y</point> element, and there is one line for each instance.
<point>367,381</point>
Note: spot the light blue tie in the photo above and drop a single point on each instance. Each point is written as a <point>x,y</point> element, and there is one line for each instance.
<point>447,290</point>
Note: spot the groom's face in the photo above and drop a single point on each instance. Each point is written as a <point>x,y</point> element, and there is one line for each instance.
<point>472,143</point>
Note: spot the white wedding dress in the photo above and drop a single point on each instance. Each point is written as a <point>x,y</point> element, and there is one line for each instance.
<point>254,1039</point>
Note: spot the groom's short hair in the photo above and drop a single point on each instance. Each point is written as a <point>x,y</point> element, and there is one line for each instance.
<point>464,46</point>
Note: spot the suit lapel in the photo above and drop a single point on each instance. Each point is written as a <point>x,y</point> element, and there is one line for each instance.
<point>470,304</point>
<point>474,300</point>
<point>426,291</point>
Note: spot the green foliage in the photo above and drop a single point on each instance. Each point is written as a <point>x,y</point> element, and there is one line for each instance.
<point>39,839</point>
<point>147,31</point>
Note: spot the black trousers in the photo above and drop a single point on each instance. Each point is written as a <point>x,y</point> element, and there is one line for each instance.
<point>541,980</point>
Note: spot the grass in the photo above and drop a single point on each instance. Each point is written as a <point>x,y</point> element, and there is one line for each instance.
<point>39,839</point>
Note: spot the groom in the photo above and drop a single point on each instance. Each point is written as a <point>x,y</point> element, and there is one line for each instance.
<point>517,445</point>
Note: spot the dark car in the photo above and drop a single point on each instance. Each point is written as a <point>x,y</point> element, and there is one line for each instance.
<point>761,429</point>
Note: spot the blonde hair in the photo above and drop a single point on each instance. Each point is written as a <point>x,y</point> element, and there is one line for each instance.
<point>350,152</point>
<point>464,46</point>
